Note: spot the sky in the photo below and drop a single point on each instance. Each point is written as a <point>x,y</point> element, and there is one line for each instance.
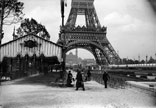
<point>131,24</point>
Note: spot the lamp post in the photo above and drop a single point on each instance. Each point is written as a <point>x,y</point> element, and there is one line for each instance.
<point>146,58</point>
<point>155,57</point>
<point>63,40</point>
<point>62,11</point>
<point>139,58</point>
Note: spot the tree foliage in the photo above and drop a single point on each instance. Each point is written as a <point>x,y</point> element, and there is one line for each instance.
<point>151,60</point>
<point>132,61</point>
<point>32,26</point>
<point>11,11</point>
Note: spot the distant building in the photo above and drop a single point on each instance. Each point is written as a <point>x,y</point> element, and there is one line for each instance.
<point>72,59</point>
<point>87,62</point>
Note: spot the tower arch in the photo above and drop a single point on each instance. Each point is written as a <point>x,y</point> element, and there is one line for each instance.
<point>92,47</point>
<point>91,36</point>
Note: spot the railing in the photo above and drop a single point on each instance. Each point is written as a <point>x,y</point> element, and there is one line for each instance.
<point>114,81</point>
<point>150,65</point>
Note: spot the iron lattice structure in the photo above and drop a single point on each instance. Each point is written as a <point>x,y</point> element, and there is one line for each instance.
<point>91,36</point>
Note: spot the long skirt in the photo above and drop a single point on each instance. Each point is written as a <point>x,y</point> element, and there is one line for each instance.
<point>79,84</point>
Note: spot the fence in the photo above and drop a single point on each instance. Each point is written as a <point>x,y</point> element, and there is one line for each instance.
<point>114,81</point>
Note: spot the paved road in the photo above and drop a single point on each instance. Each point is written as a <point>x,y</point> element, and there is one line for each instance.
<point>33,95</point>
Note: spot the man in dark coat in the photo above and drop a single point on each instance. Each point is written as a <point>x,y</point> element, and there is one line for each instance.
<point>106,77</point>
<point>79,82</point>
<point>69,79</point>
<point>88,75</point>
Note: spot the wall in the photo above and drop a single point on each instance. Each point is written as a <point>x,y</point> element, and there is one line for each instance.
<point>15,47</point>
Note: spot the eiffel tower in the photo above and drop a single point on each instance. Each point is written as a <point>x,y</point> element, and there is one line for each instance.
<point>91,36</point>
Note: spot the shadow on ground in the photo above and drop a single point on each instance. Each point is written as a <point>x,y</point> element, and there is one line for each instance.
<point>38,79</point>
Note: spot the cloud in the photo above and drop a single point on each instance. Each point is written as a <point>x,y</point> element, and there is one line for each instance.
<point>117,22</point>
<point>129,28</point>
<point>117,19</point>
<point>127,23</point>
<point>139,26</point>
<point>131,34</point>
<point>42,14</point>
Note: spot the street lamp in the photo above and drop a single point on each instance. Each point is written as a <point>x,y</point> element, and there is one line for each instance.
<point>139,58</point>
<point>155,57</point>
<point>146,58</point>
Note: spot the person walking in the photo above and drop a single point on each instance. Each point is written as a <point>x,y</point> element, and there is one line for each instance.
<point>69,79</point>
<point>88,75</point>
<point>79,81</point>
<point>106,77</point>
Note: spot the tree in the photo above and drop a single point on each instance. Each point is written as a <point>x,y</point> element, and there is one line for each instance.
<point>10,12</point>
<point>151,60</point>
<point>124,60</point>
<point>32,26</point>
<point>142,61</point>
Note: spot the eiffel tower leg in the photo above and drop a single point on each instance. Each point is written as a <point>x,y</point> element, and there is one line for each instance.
<point>100,56</point>
<point>95,55</point>
<point>63,72</point>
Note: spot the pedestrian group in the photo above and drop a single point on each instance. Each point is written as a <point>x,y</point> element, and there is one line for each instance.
<point>80,78</point>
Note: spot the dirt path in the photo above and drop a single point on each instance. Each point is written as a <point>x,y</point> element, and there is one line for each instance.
<point>28,95</point>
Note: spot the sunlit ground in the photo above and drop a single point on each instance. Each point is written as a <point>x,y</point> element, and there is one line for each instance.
<point>36,93</point>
